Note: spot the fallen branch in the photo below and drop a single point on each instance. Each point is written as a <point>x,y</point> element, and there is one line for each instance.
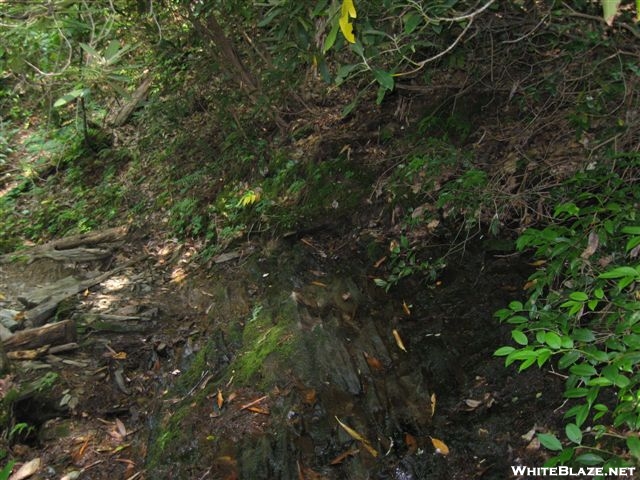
<point>46,299</point>
<point>58,333</point>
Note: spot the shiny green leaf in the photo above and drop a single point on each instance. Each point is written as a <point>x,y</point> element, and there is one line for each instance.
<point>550,441</point>
<point>573,433</point>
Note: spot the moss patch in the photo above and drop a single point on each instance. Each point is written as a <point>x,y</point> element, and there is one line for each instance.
<point>265,343</point>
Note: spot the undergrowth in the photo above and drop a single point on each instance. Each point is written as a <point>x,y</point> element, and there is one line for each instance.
<point>63,187</point>
<point>582,314</point>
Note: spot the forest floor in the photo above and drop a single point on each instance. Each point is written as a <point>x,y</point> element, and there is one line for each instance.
<point>280,358</point>
<point>96,411</point>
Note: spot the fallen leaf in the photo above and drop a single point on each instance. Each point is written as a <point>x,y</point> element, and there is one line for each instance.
<point>406,308</point>
<point>319,284</point>
<point>411,442</point>
<point>178,275</point>
<point>530,284</point>
<point>592,245</point>
<point>533,445</point>
<point>399,341</point>
<point>440,446</point>
<point>433,404</point>
<point>356,436</point>
<point>80,453</point>
<point>472,404</point>
<point>309,397</point>
<point>530,434</point>
<point>27,469</point>
<point>261,411</point>
<point>219,399</point>
<point>537,263</point>
<point>121,428</point>
<point>373,362</point>
<point>352,452</point>
<point>432,225</point>
<point>379,262</point>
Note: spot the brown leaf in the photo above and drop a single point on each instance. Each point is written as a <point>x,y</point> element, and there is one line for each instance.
<point>121,428</point>
<point>440,446</point>
<point>399,341</point>
<point>77,456</point>
<point>379,262</point>
<point>411,442</point>
<point>352,452</point>
<point>261,411</point>
<point>433,404</point>
<point>219,399</point>
<point>309,397</point>
<point>373,362</point>
<point>592,245</point>
<point>178,275</point>
<point>530,284</point>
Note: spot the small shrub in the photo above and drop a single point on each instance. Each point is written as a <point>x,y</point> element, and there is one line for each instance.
<point>583,312</point>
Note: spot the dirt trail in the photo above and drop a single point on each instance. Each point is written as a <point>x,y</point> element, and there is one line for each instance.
<point>85,411</point>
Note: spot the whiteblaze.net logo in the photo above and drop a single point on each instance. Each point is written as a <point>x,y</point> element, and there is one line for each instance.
<point>573,472</point>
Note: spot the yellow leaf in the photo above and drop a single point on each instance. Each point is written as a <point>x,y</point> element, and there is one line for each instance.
<point>433,404</point>
<point>356,436</point>
<point>348,9</point>
<point>440,446</point>
<point>219,399</point>
<point>406,308</point>
<point>538,263</point>
<point>249,198</point>
<point>399,341</point>
<point>347,29</point>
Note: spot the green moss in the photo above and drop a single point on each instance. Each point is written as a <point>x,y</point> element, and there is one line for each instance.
<point>262,340</point>
<point>170,433</point>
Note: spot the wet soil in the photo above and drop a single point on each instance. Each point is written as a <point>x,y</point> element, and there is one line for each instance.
<point>288,363</point>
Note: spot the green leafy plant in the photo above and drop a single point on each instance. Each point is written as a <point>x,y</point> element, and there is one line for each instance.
<point>5,473</point>
<point>583,312</point>
<point>404,262</point>
<point>21,429</point>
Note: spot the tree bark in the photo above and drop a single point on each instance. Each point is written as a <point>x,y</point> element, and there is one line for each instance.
<point>51,334</point>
